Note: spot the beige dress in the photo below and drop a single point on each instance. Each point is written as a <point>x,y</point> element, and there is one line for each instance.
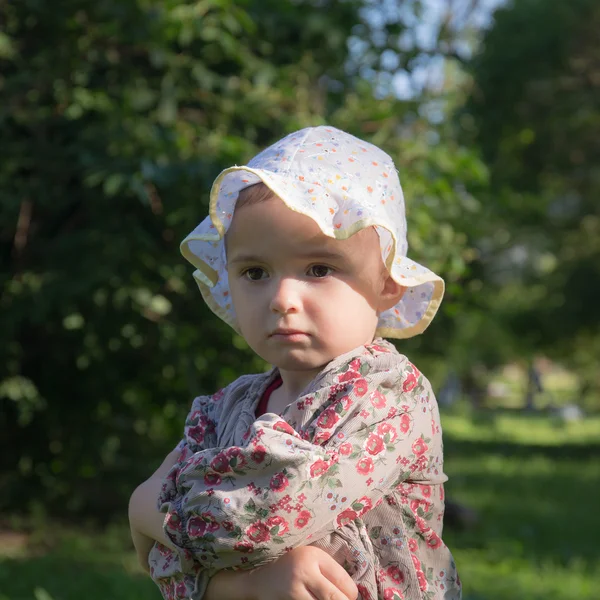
<point>354,467</point>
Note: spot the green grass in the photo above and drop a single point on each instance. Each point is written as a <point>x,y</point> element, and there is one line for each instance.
<point>534,483</point>
<point>59,563</point>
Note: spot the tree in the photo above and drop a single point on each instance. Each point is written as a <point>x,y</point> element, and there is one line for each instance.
<point>533,111</point>
<point>117,117</point>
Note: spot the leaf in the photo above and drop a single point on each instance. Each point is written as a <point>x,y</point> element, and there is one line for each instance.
<point>333,469</point>
<point>7,49</point>
<point>375,532</point>
<point>113,184</point>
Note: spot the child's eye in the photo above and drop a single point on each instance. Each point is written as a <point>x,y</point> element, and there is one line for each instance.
<point>320,271</point>
<point>255,274</point>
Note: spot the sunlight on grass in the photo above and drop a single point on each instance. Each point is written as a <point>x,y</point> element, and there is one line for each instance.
<point>489,578</point>
<point>533,482</point>
<point>521,428</point>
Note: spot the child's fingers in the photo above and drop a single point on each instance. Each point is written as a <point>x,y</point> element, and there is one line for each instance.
<point>323,589</point>
<point>337,583</point>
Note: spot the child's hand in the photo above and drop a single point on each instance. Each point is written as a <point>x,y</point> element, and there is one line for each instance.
<point>305,573</point>
<point>302,574</point>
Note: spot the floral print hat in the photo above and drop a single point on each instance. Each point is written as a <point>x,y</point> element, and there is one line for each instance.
<point>344,185</point>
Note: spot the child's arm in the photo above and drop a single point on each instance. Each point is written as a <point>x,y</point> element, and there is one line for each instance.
<point>302,573</point>
<point>141,510</point>
<point>145,521</point>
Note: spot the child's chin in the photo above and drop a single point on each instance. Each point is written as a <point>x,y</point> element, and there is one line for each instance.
<point>300,360</point>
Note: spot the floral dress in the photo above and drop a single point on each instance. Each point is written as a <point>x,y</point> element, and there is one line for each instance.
<point>354,467</point>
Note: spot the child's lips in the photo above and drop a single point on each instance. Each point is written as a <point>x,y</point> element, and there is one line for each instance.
<point>283,333</point>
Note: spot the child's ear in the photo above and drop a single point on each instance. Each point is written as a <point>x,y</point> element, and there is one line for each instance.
<point>391,294</point>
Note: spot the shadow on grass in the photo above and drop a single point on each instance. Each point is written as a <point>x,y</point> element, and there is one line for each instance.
<point>584,452</point>
<point>58,578</point>
<point>535,502</point>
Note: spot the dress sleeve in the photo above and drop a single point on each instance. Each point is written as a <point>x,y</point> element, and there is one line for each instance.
<point>199,433</point>
<point>245,505</point>
<point>178,574</point>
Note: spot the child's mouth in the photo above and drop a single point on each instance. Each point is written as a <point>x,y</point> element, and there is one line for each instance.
<point>290,335</point>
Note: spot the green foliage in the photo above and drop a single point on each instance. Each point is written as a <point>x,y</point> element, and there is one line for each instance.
<point>534,112</point>
<point>116,117</point>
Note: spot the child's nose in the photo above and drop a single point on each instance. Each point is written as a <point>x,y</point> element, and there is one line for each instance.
<point>286,296</point>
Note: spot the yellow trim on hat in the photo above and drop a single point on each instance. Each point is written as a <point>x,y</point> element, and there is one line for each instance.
<point>206,277</point>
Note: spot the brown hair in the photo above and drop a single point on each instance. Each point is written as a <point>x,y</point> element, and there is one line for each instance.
<point>253,194</point>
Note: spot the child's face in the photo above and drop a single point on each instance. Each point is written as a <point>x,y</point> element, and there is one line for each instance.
<point>302,298</point>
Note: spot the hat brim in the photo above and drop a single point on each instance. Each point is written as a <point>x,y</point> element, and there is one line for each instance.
<point>204,248</point>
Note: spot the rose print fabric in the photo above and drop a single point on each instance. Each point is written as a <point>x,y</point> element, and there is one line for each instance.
<point>354,466</point>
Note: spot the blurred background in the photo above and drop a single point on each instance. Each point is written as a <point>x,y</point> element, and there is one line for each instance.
<point>115,117</point>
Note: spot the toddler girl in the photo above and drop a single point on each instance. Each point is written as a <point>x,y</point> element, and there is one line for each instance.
<point>336,452</point>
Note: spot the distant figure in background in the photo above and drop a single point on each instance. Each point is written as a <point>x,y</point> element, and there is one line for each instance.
<point>322,478</point>
<point>534,387</point>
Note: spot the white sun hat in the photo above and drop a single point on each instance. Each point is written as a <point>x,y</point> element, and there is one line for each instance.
<point>344,184</point>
